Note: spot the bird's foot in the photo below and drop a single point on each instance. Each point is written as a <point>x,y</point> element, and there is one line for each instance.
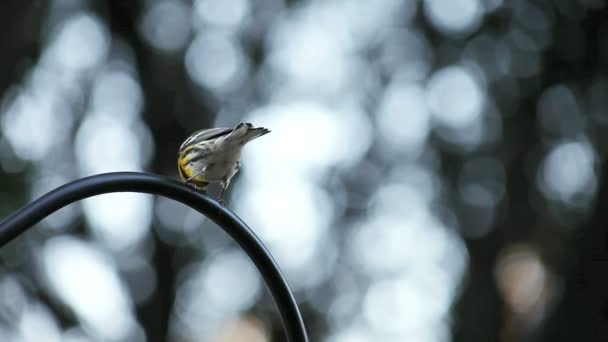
<point>192,185</point>
<point>197,188</point>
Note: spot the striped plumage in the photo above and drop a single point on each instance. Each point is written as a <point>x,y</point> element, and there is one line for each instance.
<point>213,155</point>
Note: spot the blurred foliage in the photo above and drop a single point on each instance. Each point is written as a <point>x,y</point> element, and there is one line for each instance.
<point>436,171</point>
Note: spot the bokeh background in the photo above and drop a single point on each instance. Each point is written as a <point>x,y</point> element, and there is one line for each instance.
<point>433,172</point>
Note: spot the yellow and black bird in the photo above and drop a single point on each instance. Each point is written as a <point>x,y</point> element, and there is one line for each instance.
<point>214,155</point>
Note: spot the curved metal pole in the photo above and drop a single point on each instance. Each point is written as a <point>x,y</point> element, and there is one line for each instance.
<point>34,212</point>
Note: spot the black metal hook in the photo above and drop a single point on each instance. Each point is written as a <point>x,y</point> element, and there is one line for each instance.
<point>18,222</point>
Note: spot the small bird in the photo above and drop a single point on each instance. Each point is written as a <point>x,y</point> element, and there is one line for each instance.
<point>214,155</point>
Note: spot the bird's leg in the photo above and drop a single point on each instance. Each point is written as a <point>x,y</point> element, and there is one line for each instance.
<point>224,184</point>
<point>219,197</point>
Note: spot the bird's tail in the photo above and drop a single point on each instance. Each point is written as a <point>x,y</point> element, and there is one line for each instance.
<point>245,132</point>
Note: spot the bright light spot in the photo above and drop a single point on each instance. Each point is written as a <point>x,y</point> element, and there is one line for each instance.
<point>226,13</point>
<point>221,288</point>
<point>525,283</point>
<point>466,138</point>
<point>405,305</point>
<point>289,216</point>
<point>403,118</point>
<point>216,62</point>
<point>423,260</point>
<point>37,323</point>
<point>455,97</point>
<point>34,141</point>
<point>105,144</point>
<point>380,247</point>
<point>403,199</point>
<point>119,219</point>
<point>317,55</point>
<point>352,24</point>
<point>453,16</point>
<point>230,282</point>
<point>242,329</point>
<point>344,305</point>
<point>108,141</point>
<point>411,179</point>
<point>67,47</point>
<point>355,333</point>
<point>87,282</point>
<point>116,94</point>
<point>307,138</point>
<point>166,25</point>
<point>388,244</point>
<point>568,171</point>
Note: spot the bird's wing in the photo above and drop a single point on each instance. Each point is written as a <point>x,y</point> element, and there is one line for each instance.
<point>206,134</point>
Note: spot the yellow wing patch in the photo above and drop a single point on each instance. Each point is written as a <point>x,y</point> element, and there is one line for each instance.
<point>186,171</point>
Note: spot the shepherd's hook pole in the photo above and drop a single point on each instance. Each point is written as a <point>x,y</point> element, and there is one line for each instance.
<point>34,212</point>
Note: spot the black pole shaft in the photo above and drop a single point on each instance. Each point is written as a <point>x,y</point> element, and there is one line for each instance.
<point>34,212</point>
